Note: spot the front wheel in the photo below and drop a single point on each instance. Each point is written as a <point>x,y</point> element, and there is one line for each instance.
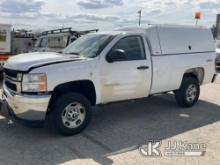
<point>189,92</point>
<point>71,113</point>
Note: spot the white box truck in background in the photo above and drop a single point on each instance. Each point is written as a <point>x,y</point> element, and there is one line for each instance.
<point>13,42</point>
<point>5,43</point>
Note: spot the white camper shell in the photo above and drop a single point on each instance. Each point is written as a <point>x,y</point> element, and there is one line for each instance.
<point>167,40</point>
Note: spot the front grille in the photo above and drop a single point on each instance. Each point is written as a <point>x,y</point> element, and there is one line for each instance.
<point>11,81</point>
<point>11,86</point>
<point>10,73</point>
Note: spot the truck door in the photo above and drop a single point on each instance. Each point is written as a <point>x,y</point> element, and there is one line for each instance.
<point>128,78</point>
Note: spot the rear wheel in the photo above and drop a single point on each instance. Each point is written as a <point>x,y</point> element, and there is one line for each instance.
<point>189,92</point>
<point>71,114</point>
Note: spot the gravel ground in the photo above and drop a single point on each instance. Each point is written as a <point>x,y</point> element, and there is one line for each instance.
<point>118,130</point>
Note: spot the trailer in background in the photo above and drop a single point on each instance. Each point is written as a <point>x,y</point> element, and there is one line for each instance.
<point>5,43</point>
<point>14,42</point>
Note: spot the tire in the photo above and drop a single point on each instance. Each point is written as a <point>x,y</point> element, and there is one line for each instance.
<point>61,116</point>
<point>189,92</point>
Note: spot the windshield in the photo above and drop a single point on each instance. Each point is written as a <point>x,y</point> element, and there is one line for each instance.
<point>217,44</point>
<point>88,46</point>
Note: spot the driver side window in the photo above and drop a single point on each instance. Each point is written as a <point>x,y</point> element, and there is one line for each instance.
<point>132,46</point>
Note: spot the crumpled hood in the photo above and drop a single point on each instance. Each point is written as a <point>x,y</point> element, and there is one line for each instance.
<point>24,62</point>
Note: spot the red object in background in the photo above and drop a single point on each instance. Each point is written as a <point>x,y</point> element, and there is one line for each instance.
<point>4,57</point>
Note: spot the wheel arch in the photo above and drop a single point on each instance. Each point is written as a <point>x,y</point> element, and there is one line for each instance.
<point>84,87</point>
<point>198,73</point>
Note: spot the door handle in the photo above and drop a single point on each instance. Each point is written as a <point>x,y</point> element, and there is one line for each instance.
<point>143,67</point>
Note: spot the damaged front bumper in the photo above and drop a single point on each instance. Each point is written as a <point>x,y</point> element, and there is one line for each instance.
<point>26,108</point>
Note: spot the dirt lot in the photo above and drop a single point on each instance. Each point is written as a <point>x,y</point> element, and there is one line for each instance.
<point>118,130</point>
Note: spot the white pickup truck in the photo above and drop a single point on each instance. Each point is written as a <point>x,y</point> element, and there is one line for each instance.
<point>108,67</point>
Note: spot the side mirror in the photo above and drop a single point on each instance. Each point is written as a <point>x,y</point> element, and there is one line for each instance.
<point>116,55</point>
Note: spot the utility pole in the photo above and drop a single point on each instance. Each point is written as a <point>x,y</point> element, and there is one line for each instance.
<point>139,12</point>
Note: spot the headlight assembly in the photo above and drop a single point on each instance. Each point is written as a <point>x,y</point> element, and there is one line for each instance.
<point>34,82</point>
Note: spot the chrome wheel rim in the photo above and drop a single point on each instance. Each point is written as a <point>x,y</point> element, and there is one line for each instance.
<point>191,93</point>
<point>73,115</point>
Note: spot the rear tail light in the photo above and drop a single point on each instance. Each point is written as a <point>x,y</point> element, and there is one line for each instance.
<point>217,64</point>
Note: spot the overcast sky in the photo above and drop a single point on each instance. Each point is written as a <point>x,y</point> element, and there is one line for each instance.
<point>104,14</point>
